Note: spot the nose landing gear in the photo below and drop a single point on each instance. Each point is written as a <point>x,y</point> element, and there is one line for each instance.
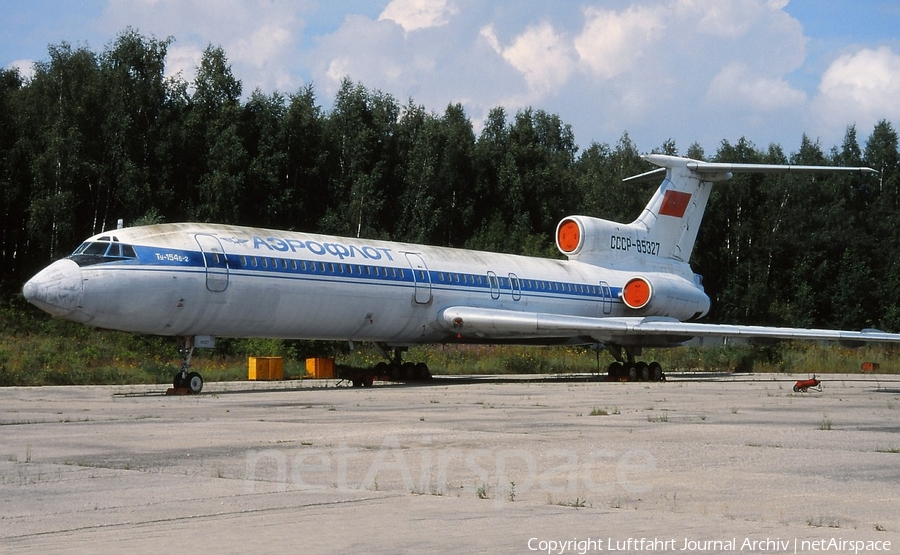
<point>186,381</point>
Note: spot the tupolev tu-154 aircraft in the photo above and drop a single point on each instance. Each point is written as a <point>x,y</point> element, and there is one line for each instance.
<point>625,286</point>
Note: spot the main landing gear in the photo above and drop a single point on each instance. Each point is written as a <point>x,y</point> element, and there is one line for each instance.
<point>395,369</point>
<point>626,369</point>
<point>185,379</point>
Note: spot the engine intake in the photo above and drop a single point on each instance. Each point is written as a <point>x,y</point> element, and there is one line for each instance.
<point>637,293</point>
<point>569,236</point>
<point>664,295</point>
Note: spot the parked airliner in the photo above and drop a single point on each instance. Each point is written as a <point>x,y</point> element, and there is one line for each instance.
<point>625,286</point>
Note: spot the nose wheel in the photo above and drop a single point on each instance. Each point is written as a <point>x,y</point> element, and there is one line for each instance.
<point>185,379</point>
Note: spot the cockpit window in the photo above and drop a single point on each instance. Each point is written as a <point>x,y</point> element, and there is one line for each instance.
<point>98,252</point>
<point>95,249</point>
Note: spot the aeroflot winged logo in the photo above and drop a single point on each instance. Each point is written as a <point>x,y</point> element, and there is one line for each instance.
<point>674,203</point>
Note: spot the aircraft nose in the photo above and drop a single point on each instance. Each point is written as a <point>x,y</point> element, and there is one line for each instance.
<point>57,289</point>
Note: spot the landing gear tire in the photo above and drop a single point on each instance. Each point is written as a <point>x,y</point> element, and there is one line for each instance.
<point>643,371</point>
<point>195,382</point>
<point>638,371</point>
<point>408,371</point>
<point>614,370</point>
<point>381,369</point>
<point>422,372</point>
<point>632,372</point>
<point>178,381</point>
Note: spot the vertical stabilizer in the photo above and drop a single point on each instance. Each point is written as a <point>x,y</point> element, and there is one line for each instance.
<point>673,215</point>
<point>667,228</point>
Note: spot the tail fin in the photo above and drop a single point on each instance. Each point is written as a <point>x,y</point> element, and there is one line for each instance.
<point>668,225</point>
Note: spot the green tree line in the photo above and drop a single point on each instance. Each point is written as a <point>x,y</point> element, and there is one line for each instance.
<point>91,138</point>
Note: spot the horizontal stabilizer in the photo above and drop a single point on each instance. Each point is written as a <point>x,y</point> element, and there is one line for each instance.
<point>716,168</point>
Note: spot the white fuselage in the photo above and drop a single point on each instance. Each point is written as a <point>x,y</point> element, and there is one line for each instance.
<point>228,281</point>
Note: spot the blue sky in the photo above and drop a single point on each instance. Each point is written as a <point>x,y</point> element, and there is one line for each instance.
<point>688,70</point>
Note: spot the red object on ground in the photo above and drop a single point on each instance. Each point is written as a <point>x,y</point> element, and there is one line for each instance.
<point>804,385</point>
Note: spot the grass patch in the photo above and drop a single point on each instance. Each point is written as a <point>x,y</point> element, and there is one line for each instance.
<point>663,417</point>
<point>36,349</point>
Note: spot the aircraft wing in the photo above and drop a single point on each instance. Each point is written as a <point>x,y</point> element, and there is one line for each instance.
<point>509,324</point>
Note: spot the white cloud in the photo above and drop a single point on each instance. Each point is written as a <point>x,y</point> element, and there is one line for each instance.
<point>25,67</point>
<point>862,88</point>
<point>737,86</point>
<point>264,49</point>
<point>488,34</point>
<point>368,51</point>
<point>730,20</point>
<point>183,61</point>
<point>612,42</point>
<point>259,37</point>
<point>543,56</point>
<point>657,62</point>
<point>413,15</point>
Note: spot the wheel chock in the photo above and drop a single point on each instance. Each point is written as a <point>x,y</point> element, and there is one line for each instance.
<point>178,391</point>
